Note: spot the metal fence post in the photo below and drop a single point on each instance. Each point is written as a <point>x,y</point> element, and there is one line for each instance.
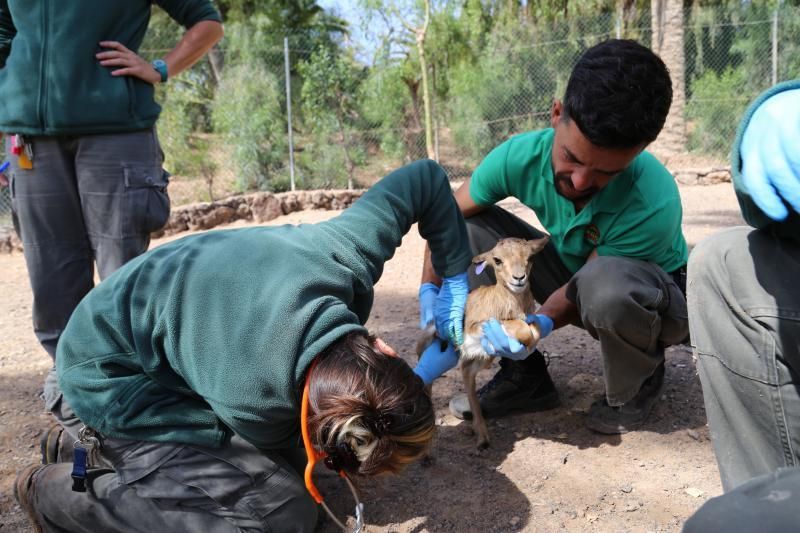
<point>289,110</point>
<point>775,47</point>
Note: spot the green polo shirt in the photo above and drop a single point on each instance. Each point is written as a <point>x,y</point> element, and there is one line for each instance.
<point>637,215</point>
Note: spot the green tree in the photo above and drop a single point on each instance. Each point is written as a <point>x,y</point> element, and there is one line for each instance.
<point>247,113</point>
<point>330,89</point>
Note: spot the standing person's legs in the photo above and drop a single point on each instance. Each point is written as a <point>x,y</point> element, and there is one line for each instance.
<point>49,220</point>
<point>744,311</point>
<point>172,487</point>
<point>123,191</point>
<point>47,209</point>
<point>122,196</point>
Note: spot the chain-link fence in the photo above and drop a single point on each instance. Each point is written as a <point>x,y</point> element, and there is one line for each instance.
<point>228,125</point>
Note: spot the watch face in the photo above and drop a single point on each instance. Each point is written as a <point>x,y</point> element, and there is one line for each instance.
<point>161,66</point>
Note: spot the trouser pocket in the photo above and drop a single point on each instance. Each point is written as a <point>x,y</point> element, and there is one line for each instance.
<point>146,200</point>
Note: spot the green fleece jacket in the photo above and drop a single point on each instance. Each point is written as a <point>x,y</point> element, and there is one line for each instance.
<point>213,333</point>
<point>50,81</point>
<point>789,228</point>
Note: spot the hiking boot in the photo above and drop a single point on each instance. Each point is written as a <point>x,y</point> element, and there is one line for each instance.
<point>519,386</point>
<point>55,445</point>
<point>23,486</point>
<point>630,416</point>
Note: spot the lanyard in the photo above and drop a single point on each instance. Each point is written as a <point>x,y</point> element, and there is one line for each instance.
<point>314,456</point>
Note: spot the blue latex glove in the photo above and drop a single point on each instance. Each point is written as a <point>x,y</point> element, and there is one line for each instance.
<point>434,362</point>
<point>450,308</point>
<point>543,322</point>
<point>428,292</point>
<point>770,155</point>
<point>496,341</point>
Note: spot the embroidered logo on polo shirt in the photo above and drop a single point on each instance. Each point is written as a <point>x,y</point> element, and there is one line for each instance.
<point>592,234</point>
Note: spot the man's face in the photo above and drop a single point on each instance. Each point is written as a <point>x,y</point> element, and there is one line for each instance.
<point>580,168</point>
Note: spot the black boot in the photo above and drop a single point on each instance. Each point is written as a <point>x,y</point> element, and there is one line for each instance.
<point>630,416</point>
<point>519,386</point>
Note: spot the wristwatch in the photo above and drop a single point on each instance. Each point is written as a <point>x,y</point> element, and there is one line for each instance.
<point>161,67</point>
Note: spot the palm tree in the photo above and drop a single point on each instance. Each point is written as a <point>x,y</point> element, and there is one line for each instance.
<point>667,42</point>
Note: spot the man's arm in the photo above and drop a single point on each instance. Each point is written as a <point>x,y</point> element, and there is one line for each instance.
<point>468,208</point>
<point>193,45</point>
<point>560,310</point>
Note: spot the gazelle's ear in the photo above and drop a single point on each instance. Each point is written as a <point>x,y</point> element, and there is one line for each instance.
<point>537,245</point>
<point>480,258</point>
<point>480,262</point>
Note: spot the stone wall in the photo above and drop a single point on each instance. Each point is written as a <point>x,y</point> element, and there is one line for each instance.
<point>264,206</point>
<point>258,207</point>
<point>702,176</point>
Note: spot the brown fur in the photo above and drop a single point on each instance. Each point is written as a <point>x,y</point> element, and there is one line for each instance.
<point>511,260</point>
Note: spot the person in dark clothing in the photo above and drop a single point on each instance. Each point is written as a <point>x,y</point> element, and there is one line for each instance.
<point>78,115</point>
<point>188,366</point>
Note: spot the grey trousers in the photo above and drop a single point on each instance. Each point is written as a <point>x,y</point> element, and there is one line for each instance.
<point>766,504</point>
<point>632,307</point>
<point>87,198</point>
<point>744,314</point>
<point>156,487</point>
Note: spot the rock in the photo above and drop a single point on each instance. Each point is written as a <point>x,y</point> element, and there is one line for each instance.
<point>692,433</point>
<point>626,488</point>
<point>696,493</point>
<point>514,521</point>
<point>265,207</point>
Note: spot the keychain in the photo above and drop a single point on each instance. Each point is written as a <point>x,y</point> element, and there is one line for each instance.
<point>23,150</point>
<point>86,449</point>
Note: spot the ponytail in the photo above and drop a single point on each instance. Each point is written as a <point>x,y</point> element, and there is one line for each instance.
<point>369,412</point>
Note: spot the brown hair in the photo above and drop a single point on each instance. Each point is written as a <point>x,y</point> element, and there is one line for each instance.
<point>368,411</point>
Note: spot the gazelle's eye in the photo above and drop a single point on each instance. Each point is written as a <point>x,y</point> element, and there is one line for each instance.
<point>498,261</point>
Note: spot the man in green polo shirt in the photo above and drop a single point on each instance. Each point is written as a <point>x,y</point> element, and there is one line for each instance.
<point>615,264</point>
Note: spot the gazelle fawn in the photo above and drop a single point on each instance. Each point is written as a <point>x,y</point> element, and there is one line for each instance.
<point>508,301</point>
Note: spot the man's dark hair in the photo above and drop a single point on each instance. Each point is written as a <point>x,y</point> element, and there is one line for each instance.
<point>618,94</point>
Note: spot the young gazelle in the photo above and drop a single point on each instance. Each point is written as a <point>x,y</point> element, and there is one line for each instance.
<point>508,301</point>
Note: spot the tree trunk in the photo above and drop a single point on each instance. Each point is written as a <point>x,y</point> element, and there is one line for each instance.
<point>667,25</point>
<point>217,61</point>
<point>426,94</point>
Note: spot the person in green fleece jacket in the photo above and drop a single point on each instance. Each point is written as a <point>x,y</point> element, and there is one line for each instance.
<point>744,317</point>
<point>78,114</point>
<point>189,364</point>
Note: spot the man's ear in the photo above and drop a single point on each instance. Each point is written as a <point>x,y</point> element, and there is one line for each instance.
<point>556,111</point>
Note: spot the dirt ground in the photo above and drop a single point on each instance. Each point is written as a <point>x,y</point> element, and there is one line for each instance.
<point>543,472</point>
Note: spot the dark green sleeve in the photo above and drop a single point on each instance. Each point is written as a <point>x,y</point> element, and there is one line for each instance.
<point>418,192</point>
<point>187,13</point>
<point>750,211</point>
<point>7,32</point>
